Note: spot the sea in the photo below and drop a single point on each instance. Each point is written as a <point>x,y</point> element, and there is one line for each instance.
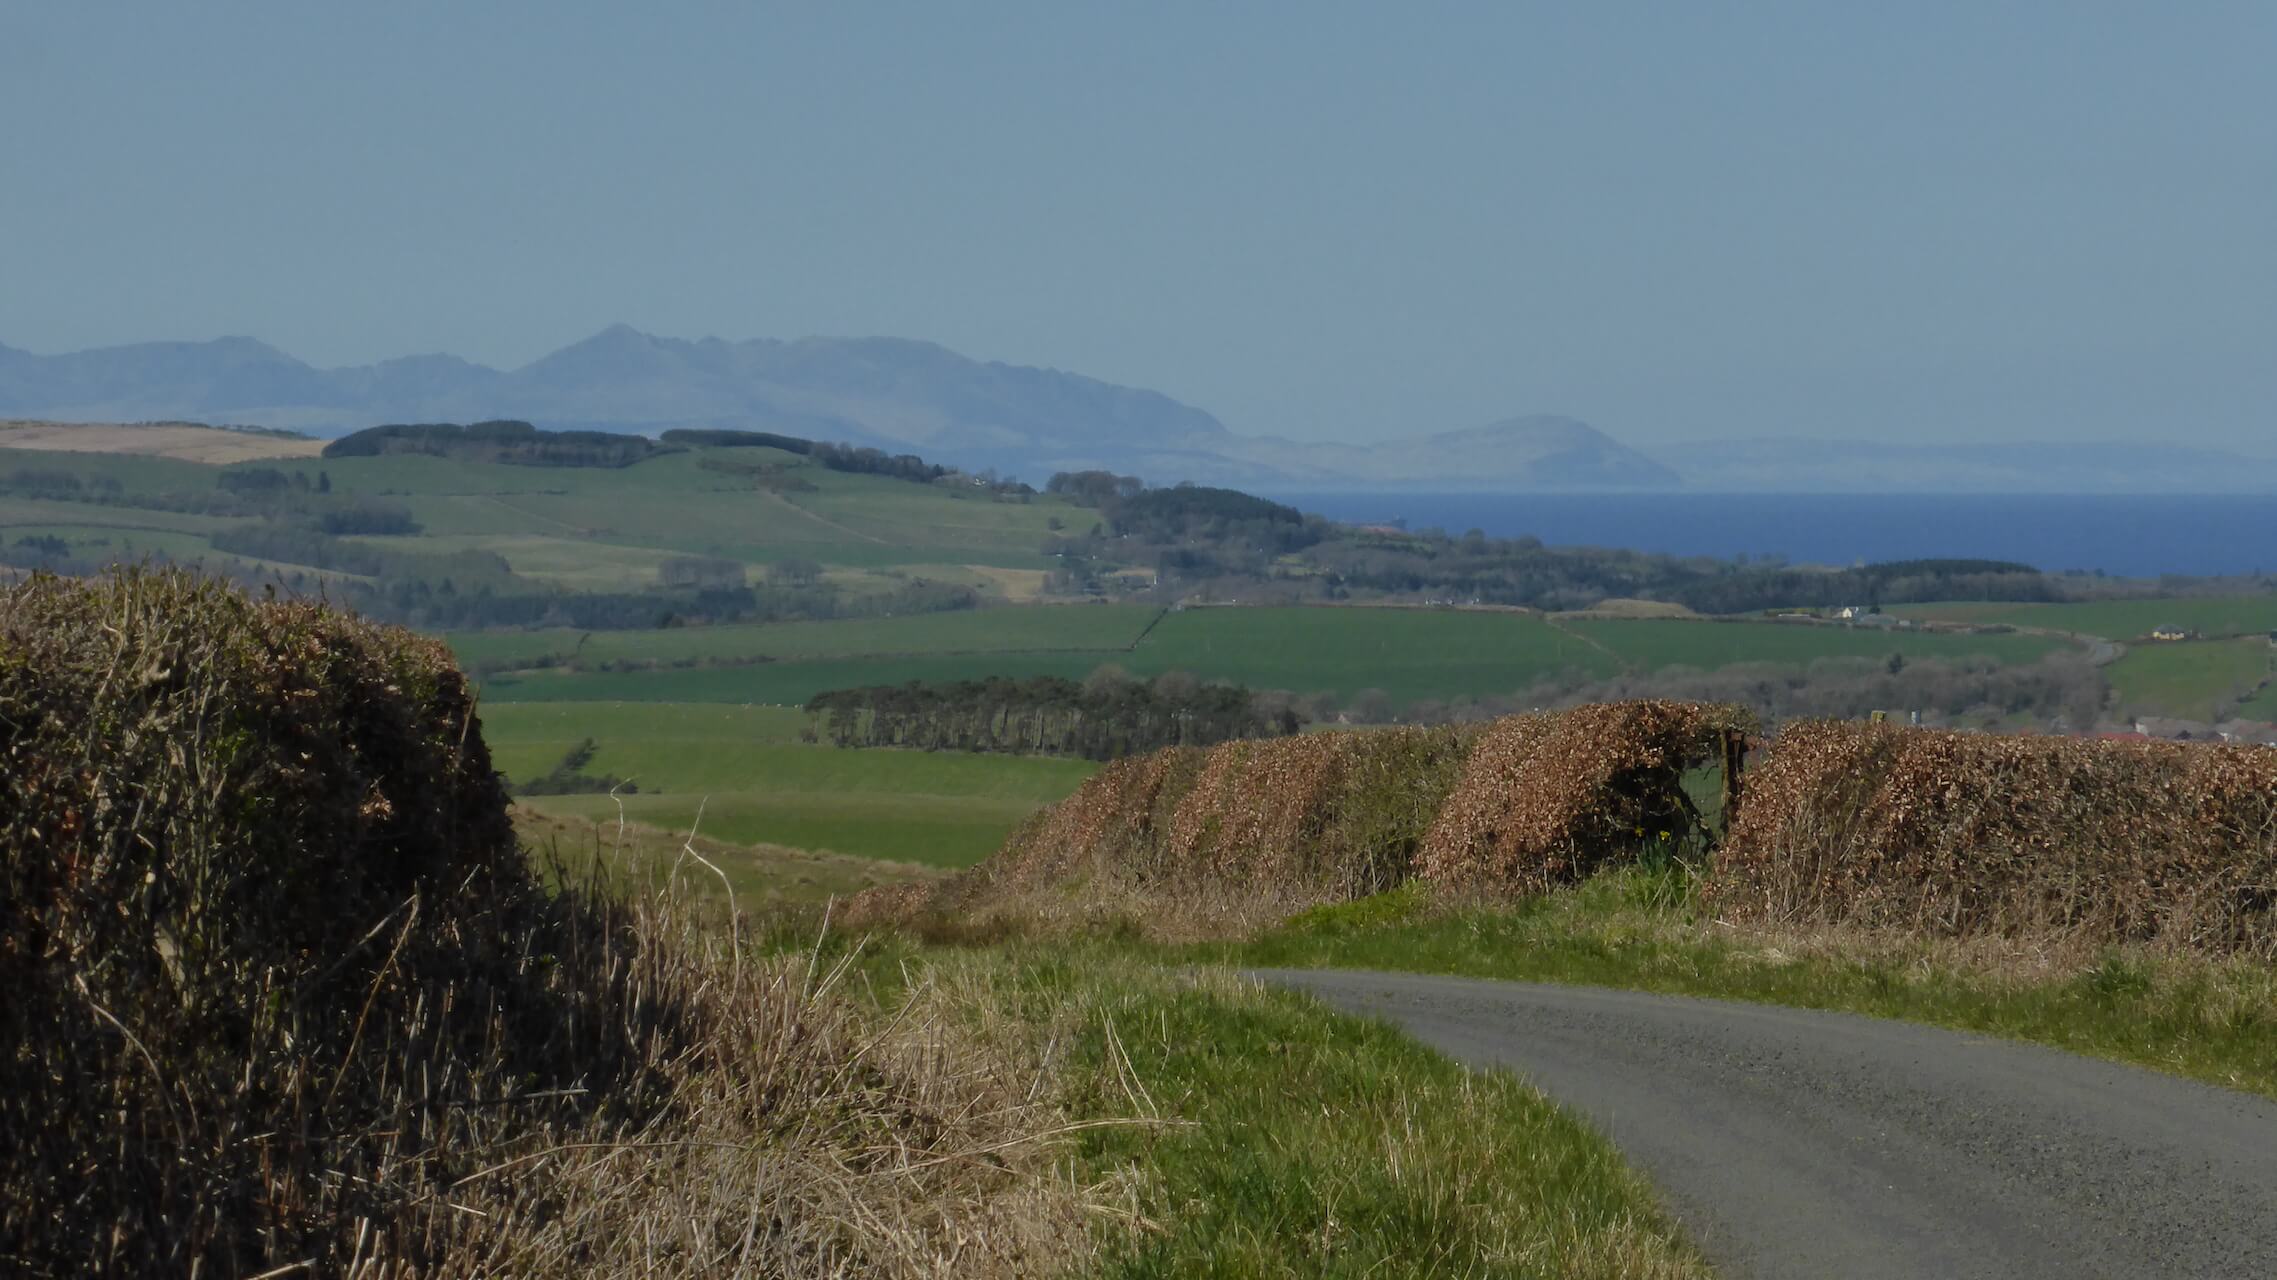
<point>2125,535</point>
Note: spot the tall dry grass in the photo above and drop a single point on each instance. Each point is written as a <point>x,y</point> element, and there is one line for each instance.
<point>284,998</point>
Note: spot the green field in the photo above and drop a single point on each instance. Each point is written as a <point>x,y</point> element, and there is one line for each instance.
<point>604,529</point>
<point>756,783</point>
<point>1090,627</point>
<point>1410,654</point>
<point>2196,680</point>
<point>2213,616</point>
<point>777,683</point>
<point>1654,644</point>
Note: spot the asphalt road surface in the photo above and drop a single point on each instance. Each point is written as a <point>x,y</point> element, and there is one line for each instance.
<point>1795,1143</point>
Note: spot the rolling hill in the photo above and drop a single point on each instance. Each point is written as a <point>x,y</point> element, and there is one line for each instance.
<point>891,393</point>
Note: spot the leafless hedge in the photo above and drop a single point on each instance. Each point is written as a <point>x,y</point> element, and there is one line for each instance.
<point>280,996</point>
<point>1551,797</point>
<point>1950,833</point>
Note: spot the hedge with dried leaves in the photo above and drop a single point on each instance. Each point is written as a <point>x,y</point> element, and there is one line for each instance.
<point>1549,798</point>
<point>1955,833</point>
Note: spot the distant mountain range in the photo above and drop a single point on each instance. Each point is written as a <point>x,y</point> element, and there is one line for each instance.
<point>918,397</point>
<point>891,393</point>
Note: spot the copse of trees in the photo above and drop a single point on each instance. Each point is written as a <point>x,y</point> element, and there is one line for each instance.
<point>853,459</point>
<point>1093,488</point>
<point>1897,582</point>
<point>1103,718</point>
<point>517,443</point>
<point>722,438</point>
<point>368,517</point>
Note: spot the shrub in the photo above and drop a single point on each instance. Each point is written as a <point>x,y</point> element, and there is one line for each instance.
<point>1191,841</point>
<point>221,823</point>
<point>1953,833</point>
<point>1549,798</point>
<point>283,997</point>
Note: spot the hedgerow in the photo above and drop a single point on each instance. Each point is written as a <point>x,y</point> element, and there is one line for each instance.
<point>283,997</point>
<point>1549,798</point>
<point>1189,842</point>
<point>1947,833</point>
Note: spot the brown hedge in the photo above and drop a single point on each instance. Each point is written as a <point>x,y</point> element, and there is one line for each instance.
<point>219,823</point>
<point>1954,833</point>
<point>1550,797</point>
<point>1191,842</point>
<point>1194,841</point>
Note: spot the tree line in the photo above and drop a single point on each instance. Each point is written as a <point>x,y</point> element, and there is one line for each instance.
<point>1103,718</point>
<point>499,440</point>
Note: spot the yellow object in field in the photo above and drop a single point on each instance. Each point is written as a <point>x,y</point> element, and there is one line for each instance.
<point>1879,716</point>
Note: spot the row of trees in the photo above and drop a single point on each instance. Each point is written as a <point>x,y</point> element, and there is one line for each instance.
<point>1223,540</point>
<point>1102,718</point>
<point>499,440</point>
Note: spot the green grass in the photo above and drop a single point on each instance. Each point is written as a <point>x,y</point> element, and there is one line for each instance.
<point>756,783</point>
<point>672,504</point>
<point>2261,706</point>
<point>2209,1020</point>
<point>526,738</point>
<point>787,684</point>
<point>1279,1139</point>
<point>1410,654</point>
<point>2213,616</point>
<point>935,830</point>
<point>2197,680</point>
<point>1655,644</point>
<point>762,877</point>
<point>1105,629</point>
<point>606,529</point>
<point>102,521</point>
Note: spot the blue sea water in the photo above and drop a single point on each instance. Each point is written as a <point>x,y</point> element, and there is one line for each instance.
<point>2121,534</point>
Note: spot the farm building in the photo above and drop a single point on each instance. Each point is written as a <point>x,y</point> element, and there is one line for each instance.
<point>2171,631</point>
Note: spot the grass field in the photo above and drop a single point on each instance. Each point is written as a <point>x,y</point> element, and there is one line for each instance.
<point>1098,628</point>
<point>2197,680</point>
<point>590,528</point>
<point>2213,616</point>
<point>1275,1138</point>
<point>757,784</point>
<point>1410,654</point>
<point>166,440</point>
<point>761,876</point>
<point>778,683</point>
<point>1654,644</point>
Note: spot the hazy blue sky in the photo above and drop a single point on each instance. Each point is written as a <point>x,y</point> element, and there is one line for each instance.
<point>1952,221</point>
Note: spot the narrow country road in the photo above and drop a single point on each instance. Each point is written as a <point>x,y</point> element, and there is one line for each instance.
<point>1795,1143</point>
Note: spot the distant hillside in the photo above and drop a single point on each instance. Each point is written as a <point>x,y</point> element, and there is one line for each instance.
<point>889,393</point>
<point>184,441</point>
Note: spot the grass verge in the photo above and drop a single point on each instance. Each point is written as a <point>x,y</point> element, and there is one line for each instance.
<point>1274,1137</point>
<point>1643,928</point>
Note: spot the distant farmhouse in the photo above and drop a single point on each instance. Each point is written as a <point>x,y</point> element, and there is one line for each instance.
<point>2170,631</point>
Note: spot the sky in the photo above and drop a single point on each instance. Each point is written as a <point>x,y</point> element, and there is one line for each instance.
<point>1928,221</point>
